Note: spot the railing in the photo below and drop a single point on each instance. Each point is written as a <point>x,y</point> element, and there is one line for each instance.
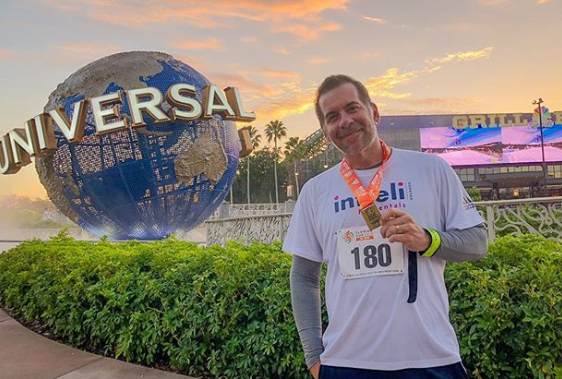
<point>265,228</point>
<point>541,215</point>
<point>269,222</point>
<point>240,210</point>
<point>526,216</point>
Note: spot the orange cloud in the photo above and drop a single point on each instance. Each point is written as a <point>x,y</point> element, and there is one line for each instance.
<point>90,49</point>
<point>305,17</point>
<point>282,51</point>
<point>543,1</point>
<point>195,62</point>
<point>366,56</point>
<point>279,74</point>
<point>317,61</point>
<point>304,31</point>
<point>247,86</point>
<point>381,86</point>
<point>465,56</point>
<point>208,44</point>
<point>445,104</point>
<point>6,54</point>
<point>279,109</point>
<point>248,39</point>
<point>435,106</point>
<point>493,2</point>
<point>375,19</point>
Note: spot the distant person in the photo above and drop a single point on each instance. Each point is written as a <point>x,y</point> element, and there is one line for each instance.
<point>385,293</point>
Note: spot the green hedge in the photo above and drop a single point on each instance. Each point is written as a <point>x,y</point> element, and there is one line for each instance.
<point>507,309</point>
<point>225,312</point>
<point>203,311</point>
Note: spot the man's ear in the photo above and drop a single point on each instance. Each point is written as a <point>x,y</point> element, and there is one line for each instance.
<point>376,114</point>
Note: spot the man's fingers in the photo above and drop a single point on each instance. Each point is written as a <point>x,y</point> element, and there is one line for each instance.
<point>393,213</point>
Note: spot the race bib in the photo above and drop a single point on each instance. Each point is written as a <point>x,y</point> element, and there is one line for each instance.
<point>363,252</point>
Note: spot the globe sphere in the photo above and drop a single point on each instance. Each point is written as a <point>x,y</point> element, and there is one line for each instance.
<point>140,183</point>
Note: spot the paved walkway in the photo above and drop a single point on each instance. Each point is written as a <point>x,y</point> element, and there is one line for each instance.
<point>27,355</point>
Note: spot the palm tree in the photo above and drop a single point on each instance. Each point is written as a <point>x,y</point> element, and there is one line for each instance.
<point>295,150</point>
<point>275,130</point>
<point>255,137</point>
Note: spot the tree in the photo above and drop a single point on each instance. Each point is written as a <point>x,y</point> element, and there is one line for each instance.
<point>295,150</point>
<point>255,138</point>
<point>262,180</point>
<point>275,130</point>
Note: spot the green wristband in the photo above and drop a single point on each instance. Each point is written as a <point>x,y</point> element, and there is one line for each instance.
<point>435,243</point>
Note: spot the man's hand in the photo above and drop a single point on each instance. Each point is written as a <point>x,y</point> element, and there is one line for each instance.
<point>315,370</point>
<point>399,226</point>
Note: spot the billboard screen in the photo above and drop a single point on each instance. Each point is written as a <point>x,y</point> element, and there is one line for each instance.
<point>485,146</point>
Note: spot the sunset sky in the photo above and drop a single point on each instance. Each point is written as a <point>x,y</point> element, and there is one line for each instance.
<point>415,56</point>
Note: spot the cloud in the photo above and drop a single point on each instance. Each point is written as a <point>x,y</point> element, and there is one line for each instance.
<point>383,86</point>
<point>248,87</point>
<point>445,104</point>
<point>89,49</point>
<point>281,50</point>
<point>465,56</point>
<point>434,106</point>
<point>304,31</point>
<point>194,61</point>
<point>283,94</point>
<point>317,61</point>
<point>303,19</point>
<point>543,1</point>
<point>6,54</point>
<point>78,54</point>
<point>200,44</point>
<point>279,74</point>
<point>294,103</point>
<point>369,55</point>
<point>494,2</point>
<point>375,19</point>
<point>248,39</point>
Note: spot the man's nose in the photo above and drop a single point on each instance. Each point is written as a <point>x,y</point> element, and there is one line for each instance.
<point>345,120</point>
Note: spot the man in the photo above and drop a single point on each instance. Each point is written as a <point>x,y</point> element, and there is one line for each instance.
<point>385,293</point>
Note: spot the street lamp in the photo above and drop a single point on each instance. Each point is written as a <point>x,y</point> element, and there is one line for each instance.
<point>539,102</point>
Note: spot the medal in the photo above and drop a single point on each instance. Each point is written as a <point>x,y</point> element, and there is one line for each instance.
<point>372,216</point>
<point>366,196</point>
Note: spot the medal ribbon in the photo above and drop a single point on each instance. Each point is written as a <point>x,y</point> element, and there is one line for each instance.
<point>367,196</point>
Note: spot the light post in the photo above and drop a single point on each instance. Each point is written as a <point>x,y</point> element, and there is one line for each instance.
<point>544,173</point>
<point>248,179</point>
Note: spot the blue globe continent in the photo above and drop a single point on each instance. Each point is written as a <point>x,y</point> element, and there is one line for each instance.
<point>127,185</point>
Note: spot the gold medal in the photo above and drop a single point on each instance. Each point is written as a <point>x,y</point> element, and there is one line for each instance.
<point>372,216</point>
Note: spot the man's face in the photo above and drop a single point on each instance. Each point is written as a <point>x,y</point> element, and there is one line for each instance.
<point>348,122</point>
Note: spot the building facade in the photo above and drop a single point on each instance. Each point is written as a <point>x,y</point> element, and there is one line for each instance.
<point>499,154</point>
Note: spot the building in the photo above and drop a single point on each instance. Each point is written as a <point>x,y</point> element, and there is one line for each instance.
<point>500,154</point>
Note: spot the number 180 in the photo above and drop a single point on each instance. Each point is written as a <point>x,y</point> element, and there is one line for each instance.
<point>373,256</point>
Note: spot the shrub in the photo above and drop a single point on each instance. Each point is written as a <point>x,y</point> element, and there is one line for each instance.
<point>225,312</point>
<point>202,311</point>
<point>507,309</point>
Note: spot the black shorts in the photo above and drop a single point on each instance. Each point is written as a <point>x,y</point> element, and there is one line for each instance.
<point>454,371</point>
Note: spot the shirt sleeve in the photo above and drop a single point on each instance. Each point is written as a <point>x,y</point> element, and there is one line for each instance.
<point>302,237</point>
<point>459,212</point>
